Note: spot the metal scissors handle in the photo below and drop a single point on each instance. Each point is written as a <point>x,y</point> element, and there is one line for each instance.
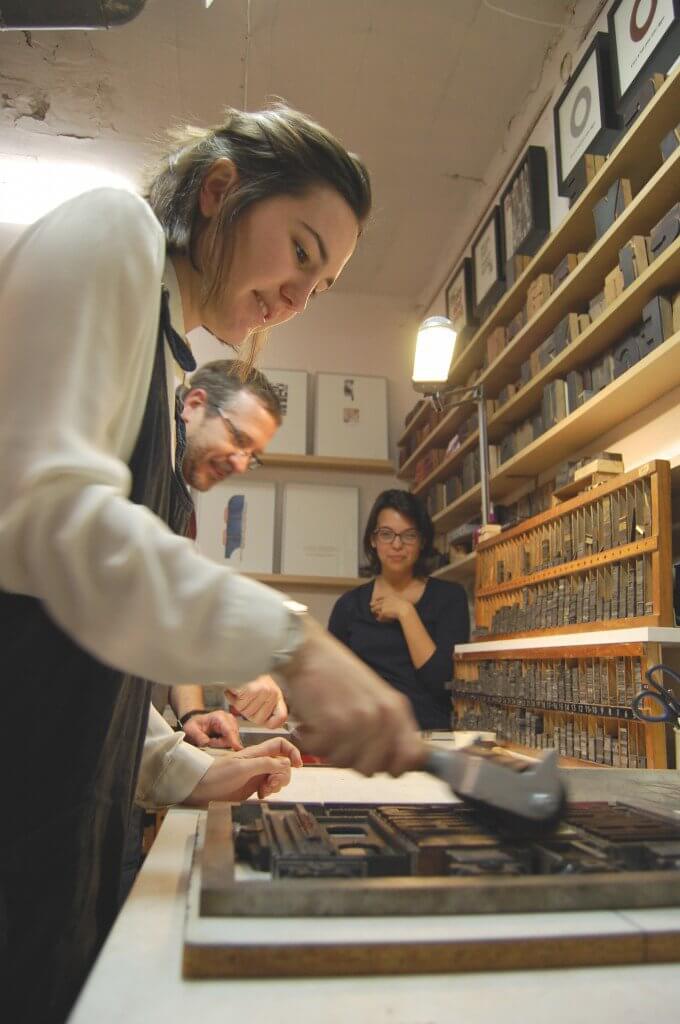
<point>665,704</point>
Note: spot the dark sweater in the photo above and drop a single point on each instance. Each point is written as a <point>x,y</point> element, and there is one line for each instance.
<point>443,610</point>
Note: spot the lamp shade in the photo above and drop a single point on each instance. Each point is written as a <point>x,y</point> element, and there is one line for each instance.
<point>434,351</point>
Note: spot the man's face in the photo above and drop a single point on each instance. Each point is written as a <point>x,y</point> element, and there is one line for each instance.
<point>216,447</point>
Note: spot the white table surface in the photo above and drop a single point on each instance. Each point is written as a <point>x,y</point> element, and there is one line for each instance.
<point>137,978</point>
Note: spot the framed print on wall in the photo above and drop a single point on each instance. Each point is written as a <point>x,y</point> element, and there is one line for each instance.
<point>459,302</point>
<point>488,279</point>
<point>320,532</point>
<point>351,416</point>
<point>585,117</point>
<point>645,38</point>
<point>526,207</point>
<point>291,387</point>
<point>235,524</point>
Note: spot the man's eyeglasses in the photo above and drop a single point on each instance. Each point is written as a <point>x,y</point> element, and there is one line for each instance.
<point>388,536</point>
<point>241,442</point>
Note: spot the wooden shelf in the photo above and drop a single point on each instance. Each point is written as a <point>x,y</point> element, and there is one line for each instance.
<point>634,390</point>
<point>332,462</point>
<point>462,569</point>
<point>587,279</point>
<point>666,636</point>
<point>439,437</point>
<point>444,469</point>
<point>459,510</point>
<point>306,582</point>
<point>612,325</point>
<point>417,421</point>
<point>638,158</point>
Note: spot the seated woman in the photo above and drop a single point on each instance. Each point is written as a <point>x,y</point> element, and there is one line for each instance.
<point>404,623</point>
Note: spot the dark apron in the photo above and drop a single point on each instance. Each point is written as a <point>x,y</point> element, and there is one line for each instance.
<point>73,732</point>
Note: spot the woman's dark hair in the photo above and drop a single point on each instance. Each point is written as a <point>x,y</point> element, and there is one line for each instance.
<point>411,507</point>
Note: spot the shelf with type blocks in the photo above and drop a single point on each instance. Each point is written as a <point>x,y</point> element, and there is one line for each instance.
<point>634,390</point>
<point>438,437</point>
<point>575,699</point>
<point>623,314</point>
<point>638,158</point>
<point>600,559</point>
<point>306,582</point>
<point>417,420</point>
<point>445,468</point>
<point>461,570</point>
<point>332,462</point>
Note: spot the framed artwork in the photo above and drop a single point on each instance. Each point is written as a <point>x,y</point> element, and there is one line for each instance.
<point>235,524</point>
<point>320,532</point>
<point>525,205</point>
<point>585,117</point>
<point>645,39</point>
<point>351,416</point>
<point>459,302</point>
<point>291,387</point>
<point>488,279</point>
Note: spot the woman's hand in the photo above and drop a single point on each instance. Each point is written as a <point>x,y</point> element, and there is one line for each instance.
<point>260,701</point>
<point>390,608</point>
<point>213,729</point>
<point>263,769</point>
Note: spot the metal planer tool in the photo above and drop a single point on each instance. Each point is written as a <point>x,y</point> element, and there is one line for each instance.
<point>521,798</point>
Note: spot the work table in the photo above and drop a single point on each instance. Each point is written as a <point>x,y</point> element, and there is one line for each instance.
<point>137,978</point>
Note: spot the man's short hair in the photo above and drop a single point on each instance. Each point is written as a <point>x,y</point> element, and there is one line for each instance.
<point>222,379</point>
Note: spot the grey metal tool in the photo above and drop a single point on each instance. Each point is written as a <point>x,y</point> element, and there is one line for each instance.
<point>516,796</point>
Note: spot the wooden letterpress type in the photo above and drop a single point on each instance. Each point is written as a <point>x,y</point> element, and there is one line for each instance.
<point>596,306</point>
<point>581,175</point>
<point>495,343</point>
<point>647,590</point>
<point>592,604</point>
<point>583,322</point>
<point>566,331</point>
<point>515,267</point>
<point>657,324</point>
<point>606,519</point>
<point>625,525</point>
<point>538,293</point>
<point>675,303</point>
<point>615,576</point>
<point>625,354</point>
<point>563,269</point>
<point>620,664</point>
<point>665,232</point>
<point>670,143</point>
<point>639,587</point>
<point>619,196</point>
<point>588,529</point>
<point>633,259</point>
<point>554,403</point>
<point>576,395</point>
<point>535,362</point>
<point>603,372</point>
<point>613,286</point>
<point>515,326</point>
<point>630,589</point>
<point>525,373</point>
<point>634,104</point>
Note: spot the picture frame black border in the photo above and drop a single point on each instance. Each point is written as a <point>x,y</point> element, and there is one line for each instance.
<point>481,309</point>
<point>537,160</point>
<point>464,268</point>
<point>664,54</point>
<point>610,131</point>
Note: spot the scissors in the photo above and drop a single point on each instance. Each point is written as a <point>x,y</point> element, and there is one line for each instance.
<point>665,705</point>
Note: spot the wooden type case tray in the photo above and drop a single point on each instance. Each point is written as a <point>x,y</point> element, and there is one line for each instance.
<point>242,922</point>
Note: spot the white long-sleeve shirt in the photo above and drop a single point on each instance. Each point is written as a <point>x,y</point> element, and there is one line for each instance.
<point>79,308</point>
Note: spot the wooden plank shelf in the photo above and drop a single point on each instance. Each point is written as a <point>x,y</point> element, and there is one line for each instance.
<point>588,278</point>
<point>280,581</point>
<point>437,438</point>
<point>642,384</point>
<point>666,636</point>
<point>459,510</point>
<point>416,421</point>
<point>274,460</point>
<point>459,571</point>
<point>444,470</point>
<point>613,324</point>
<point>636,157</point>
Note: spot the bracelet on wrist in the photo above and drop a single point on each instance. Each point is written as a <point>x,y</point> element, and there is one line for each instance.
<point>189,714</point>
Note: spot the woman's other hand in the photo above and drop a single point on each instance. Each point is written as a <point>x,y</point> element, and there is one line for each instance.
<point>261,702</point>
<point>263,769</point>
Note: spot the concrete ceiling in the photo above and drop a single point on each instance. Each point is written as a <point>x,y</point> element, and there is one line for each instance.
<point>424,90</point>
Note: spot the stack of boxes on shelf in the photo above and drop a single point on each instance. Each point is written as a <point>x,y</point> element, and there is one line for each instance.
<point>599,561</point>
